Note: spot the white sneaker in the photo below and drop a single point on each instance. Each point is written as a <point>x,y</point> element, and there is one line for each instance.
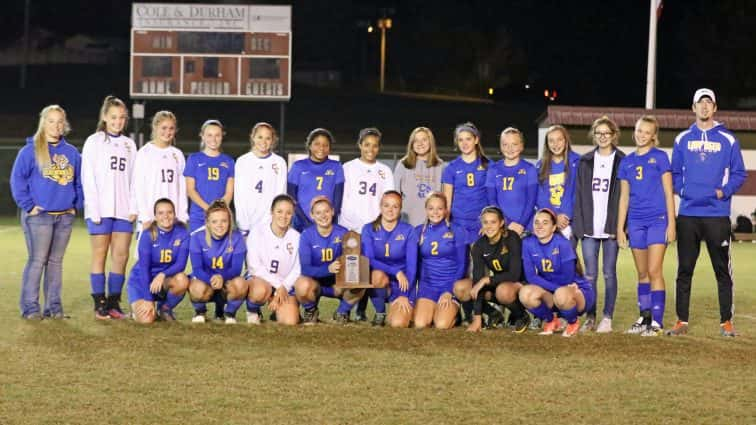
<point>604,326</point>
<point>253,318</point>
<point>198,318</point>
<point>230,320</point>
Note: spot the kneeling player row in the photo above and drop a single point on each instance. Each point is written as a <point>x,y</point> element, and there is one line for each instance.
<point>420,272</point>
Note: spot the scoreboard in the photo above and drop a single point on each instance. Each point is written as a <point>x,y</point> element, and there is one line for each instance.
<point>199,51</point>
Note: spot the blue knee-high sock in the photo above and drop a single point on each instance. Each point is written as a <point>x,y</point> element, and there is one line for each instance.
<point>172,300</point>
<point>327,291</point>
<point>115,283</point>
<point>378,298</point>
<point>644,296</point>
<point>97,283</point>
<point>253,307</point>
<point>542,311</point>
<point>199,307</point>
<point>232,306</point>
<point>570,314</point>
<point>344,307</point>
<point>658,299</point>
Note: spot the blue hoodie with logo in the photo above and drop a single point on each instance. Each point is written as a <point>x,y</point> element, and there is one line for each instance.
<point>702,162</point>
<point>55,188</point>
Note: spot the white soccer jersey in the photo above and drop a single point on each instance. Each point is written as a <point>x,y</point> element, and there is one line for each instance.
<point>274,259</point>
<point>602,175</point>
<point>107,165</point>
<point>159,173</point>
<point>257,181</point>
<point>364,184</point>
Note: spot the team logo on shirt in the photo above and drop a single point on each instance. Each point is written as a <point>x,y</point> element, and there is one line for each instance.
<point>522,171</point>
<point>275,168</point>
<point>175,158</point>
<point>448,235</point>
<point>290,248</point>
<point>504,250</point>
<point>704,146</point>
<point>400,237</point>
<point>652,160</point>
<point>481,167</point>
<point>230,249</point>
<point>177,242</point>
<point>555,251</point>
<point>224,164</point>
<point>59,170</point>
<point>329,173</point>
<point>337,240</point>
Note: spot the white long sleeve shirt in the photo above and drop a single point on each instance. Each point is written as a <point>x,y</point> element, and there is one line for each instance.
<point>273,259</point>
<point>159,173</point>
<point>257,181</point>
<point>107,169</point>
<point>364,184</point>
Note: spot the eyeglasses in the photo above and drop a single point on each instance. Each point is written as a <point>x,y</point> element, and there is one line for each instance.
<point>602,134</point>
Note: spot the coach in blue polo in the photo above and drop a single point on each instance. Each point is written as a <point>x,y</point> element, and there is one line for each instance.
<point>707,169</point>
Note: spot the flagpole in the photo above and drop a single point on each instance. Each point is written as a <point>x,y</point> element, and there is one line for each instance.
<point>651,71</point>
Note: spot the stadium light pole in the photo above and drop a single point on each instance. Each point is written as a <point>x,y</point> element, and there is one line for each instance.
<point>384,24</point>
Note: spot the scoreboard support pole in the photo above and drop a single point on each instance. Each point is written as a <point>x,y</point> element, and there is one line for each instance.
<point>282,126</point>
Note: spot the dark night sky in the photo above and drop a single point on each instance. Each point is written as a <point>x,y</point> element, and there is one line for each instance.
<point>593,51</point>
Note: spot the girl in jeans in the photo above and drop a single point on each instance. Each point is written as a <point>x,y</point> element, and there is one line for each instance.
<point>595,216</point>
<point>46,185</point>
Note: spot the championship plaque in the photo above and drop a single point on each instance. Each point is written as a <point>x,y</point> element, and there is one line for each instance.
<point>355,268</point>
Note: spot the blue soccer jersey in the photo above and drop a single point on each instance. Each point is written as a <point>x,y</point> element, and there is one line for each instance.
<point>166,254</point>
<point>551,265</point>
<point>308,179</point>
<point>557,190</point>
<point>644,175</point>
<point>468,181</point>
<point>317,252</point>
<point>513,189</point>
<point>210,174</point>
<point>387,250</point>
<point>441,257</point>
<point>222,256</point>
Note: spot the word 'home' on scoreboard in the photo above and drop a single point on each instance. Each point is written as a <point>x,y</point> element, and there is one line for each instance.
<point>201,51</point>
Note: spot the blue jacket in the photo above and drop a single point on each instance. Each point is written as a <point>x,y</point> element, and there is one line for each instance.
<point>702,162</point>
<point>55,188</point>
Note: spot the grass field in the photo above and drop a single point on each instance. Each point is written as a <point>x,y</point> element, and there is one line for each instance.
<point>79,371</point>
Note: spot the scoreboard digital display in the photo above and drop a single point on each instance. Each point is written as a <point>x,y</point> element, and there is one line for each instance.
<point>229,52</point>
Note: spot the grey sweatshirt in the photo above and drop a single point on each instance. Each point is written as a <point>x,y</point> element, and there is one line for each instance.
<point>415,185</point>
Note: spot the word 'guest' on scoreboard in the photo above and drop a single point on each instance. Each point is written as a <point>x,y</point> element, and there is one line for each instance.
<point>228,52</point>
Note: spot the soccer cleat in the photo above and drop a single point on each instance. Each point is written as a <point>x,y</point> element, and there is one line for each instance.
<point>550,327</point>
<point>726,329</point>
<point>58,316</point>
<point>637,328</point>
<point>494,318</point>
<point>253,318</point>
<point>166,315</point>
<point>572,329</point>
<point>604,326</point>
<point>379,319</point>
<point>341,318</point>
<point>589,325</point>
<point>272,317</point>
<point>680,328</point>
<point>521,324</point>
<point>652,330</point>
<point>360,316</point>
<point>100,307</point>
<point>230,320</point>
<point>310,316</point>
<point>535,324</point>
<point>114,307</point>
<point>199,318</point>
